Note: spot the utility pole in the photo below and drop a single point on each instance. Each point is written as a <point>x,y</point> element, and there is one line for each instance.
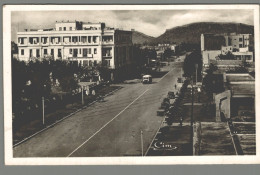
<point>43,111</point>
<point>82,96</point>
<point>196,66</point>
<point>191,120</point>
<point>142,143</point>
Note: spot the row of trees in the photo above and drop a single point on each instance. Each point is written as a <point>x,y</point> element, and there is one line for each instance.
<point>46,78</point>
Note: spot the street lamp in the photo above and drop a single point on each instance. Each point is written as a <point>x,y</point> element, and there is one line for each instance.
<point>43,121</point>
<point>142,143</point>
<point>196,67</point>
<point>192,102</point>
<point>82,95</point>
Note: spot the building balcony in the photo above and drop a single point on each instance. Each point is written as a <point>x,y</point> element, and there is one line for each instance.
<point>77,57</point>
<point>107,42</point>
<point>107,56</point>
<point>33,44</point>
<point>74,43</point>
<point>66,43</point>
<point>24,44</point>
<point>55,43</point>
<point>45,44</point>
<point>88,56</point>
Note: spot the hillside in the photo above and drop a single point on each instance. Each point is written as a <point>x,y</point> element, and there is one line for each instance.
<point>140,38</point>
<point>191,33</point>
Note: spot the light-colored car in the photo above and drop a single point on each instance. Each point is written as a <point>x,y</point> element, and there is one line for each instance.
<point>147,79</point>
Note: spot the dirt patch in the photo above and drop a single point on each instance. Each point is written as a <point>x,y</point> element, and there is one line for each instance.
<point>216,139</point>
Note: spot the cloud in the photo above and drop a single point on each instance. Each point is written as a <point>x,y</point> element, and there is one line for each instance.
<point>150,22</point>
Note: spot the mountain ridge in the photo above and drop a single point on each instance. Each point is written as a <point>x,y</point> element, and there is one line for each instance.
<point>187,34</point>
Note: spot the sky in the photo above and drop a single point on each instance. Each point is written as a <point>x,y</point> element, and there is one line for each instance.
<point>149,22</point>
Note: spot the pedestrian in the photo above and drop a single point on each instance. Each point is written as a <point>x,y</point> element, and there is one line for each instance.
<point>175,86</point>
<point>181,121</point>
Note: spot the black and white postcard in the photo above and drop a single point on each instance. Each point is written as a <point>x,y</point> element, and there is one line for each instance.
<point>131,84</point>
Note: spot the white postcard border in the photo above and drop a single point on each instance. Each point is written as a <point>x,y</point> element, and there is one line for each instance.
<point>9,160</point>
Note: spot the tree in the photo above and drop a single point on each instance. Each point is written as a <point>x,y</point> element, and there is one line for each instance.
<point>167,53</point>
<point>104,72</point>
<point>213,83</point>
<point>189,64</point>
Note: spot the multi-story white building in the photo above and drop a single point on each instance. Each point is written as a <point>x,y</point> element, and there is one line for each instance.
<point>213,45</point>
<point>86,43</point>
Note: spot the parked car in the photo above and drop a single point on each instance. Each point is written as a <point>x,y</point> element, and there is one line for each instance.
<point>171,95</point>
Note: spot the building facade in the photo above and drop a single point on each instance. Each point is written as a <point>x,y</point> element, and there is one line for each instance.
<point>87,44</point>
<point>239,45</point>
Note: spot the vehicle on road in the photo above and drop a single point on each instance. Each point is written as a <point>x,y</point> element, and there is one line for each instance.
<point>147,79</point>
<point>171,95</point>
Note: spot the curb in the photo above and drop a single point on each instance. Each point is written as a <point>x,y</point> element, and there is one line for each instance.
<point>49,126</point>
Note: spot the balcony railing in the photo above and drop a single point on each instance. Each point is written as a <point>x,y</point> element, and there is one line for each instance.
<point>55,43</point>
<point>108,42</point>
<point>33,44</point>
<point>23,44</point>
<point>107,55</point>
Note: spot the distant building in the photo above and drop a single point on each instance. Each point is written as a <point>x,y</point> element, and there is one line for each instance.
<point>165,46</point>
<point>14,49</point>
<point>239,45</point>
<point>87,44</point>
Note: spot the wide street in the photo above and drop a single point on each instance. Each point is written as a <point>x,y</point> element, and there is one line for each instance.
<point>109,128</point>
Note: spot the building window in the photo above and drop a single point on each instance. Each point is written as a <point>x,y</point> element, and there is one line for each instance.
<point>95,39</point>
<point>30,52</point>
<point>85,52</point>
<point>83,39</point>
<point>59,53</point>
<point>52,52</point>
<point>89,39</point>
<point>22,52</point>
<point>90,63</point>
<point>74,39</point>
<point>60,28</point>
<point>45,51</point>
<point>240,39</point>
<point>70,51</point>
<point>64,28</point>
<point>85,62</point>
<point>70,28</point>
<point>21,40</point>
<point>240,45</point>
<point>79,51</point>
<point>37,53</point>
<point>95,50</point>
<point>89,51</point>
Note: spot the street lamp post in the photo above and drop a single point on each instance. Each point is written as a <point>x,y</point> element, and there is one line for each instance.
<point>192,103</point>
<point>191,120</point>
<point>142,143</point>
<point>43,115</point>
<point>196,67</point>
<point>82,95</point>
<point>43,110</point>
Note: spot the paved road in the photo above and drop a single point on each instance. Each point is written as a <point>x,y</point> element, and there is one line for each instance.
<point>110,128</point>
